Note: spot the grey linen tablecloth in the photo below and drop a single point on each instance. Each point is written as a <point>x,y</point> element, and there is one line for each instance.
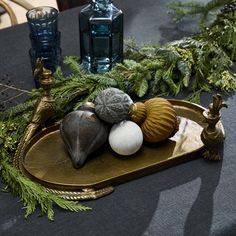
<point>195,198</point>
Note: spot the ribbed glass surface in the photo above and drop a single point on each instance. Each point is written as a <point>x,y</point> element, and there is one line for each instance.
<point>101,36</point>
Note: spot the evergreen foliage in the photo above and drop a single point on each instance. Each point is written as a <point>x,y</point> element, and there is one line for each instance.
<point>197,64</point>
<point>204,10</point>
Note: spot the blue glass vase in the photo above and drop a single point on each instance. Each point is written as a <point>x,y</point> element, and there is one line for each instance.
<point>101,36</point>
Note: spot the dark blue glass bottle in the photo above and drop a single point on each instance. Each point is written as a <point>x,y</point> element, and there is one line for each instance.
<point>101,36</point>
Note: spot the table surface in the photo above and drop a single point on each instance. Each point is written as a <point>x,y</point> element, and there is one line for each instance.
<point>195,198</point>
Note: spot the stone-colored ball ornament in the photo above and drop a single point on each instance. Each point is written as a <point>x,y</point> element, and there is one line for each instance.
<point>156,117</point>
<point>125,138</point>
<point>112,105</point>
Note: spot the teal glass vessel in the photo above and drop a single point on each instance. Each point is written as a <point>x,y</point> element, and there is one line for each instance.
<point>101,36</point>
<point>44,37</point>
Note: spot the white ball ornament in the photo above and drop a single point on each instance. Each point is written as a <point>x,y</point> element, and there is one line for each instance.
<point>125,138</point>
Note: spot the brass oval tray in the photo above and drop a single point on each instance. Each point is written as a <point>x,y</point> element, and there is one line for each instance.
<point>46,161</point>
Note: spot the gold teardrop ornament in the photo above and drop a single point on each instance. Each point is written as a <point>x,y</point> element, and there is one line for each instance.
<point>157,119</point>
<point>137,112</point>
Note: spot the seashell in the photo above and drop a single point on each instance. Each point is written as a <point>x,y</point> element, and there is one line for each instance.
<point>125,138</point>
<point>83,133</point>
<point>112,105</point>
<point>161,120</point>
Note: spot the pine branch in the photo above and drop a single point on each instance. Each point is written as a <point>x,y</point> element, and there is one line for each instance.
<point>33,194</point>
<point>183,9</point>
<point>180,10</point>
<point>72,62</point>
<point>21,108</point>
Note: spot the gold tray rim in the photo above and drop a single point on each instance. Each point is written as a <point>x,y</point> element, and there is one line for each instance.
<point>94,193</point>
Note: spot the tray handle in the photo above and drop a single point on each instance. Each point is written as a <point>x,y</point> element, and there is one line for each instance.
<point>213,134</point>
<point>83,194</point>
<point>45,108</point>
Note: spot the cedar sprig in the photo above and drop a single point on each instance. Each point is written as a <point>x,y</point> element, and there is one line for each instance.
<point>33,194</point>
<point>207,11</point>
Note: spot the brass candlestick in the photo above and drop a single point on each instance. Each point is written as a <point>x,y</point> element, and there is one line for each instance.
<point>212,135</point>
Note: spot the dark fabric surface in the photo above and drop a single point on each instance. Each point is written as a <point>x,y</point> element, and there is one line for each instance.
<point>195,198</point>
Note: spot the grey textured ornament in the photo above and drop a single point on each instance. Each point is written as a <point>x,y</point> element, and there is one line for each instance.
<point>83,133</point>
<point>112,105</point>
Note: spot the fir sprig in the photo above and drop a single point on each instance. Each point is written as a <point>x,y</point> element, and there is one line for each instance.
<point>33,194</point>
<point>182,9</point>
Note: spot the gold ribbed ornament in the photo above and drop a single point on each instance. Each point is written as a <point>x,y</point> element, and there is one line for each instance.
<point>159,119</point>
<point>137,112</point>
